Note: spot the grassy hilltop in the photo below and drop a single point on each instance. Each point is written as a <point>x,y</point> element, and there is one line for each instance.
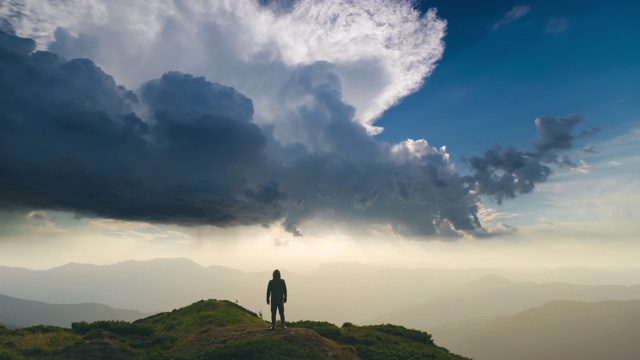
<point>214,329</point>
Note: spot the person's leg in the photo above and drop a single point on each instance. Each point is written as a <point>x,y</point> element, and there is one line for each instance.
<point>281,310</point>
<point>273,315</point>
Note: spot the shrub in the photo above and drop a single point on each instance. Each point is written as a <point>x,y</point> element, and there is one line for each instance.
<point>400,331</point>
<point>6,355</point>
<point>326,329</point>
<point>121,328</point>
<point>260,349</point>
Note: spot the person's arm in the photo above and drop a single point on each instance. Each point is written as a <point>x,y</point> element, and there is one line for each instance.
<point>268,291</point>
<point>284,292</point>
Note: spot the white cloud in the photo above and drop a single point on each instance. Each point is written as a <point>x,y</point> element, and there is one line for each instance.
<point>512,15</point>
<point>382,49</point>
<point>411,150</point>
<point>486,214</point>
<point>121,225</point>
<point>583,168</point>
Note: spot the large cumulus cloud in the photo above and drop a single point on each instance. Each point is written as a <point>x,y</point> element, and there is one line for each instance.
<point>184,150</point>
<point>293,147</point>
<point>71,141</point>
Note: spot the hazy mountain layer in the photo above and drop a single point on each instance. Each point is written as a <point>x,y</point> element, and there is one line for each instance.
<point>22,313</point>
<point>558,330</point>
<point>418,298</point>
<point>494,295</point>
<point>355,293</point>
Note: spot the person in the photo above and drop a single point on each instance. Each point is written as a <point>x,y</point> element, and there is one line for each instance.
<point>277,291</point>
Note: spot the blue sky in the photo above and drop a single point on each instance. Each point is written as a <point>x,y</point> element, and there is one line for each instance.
<point>449,133</point>
<point>492,82</point>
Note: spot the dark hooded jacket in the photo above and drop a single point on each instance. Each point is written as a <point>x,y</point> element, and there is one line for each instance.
<point>277,289</point>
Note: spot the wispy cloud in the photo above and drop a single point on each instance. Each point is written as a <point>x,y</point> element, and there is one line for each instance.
<point>557,25</point>
<point>488,214</point>
<point>40,222</point>
<point>512,15</point>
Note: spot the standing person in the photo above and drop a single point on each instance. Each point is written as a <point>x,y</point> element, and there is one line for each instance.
<point>277,290</point>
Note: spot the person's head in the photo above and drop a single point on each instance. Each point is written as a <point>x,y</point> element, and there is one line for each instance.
<point>276,274</point>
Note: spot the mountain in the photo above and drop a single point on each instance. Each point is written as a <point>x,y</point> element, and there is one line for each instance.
<point>557,330</point>
<point>344,266</point>
<point>215,329</point>
<point>589,276</point>
<point>23,313</point>
<point>355,291</point>
<point>149,286</point>
<point>494,295</point>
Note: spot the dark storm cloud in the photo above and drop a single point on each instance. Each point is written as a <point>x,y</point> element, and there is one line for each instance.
<point>346,176</point>
<point>505,173</point>
<point>71,141</point>
<point>318,117</point>
<point>183,150</point>
<point>555,133</point>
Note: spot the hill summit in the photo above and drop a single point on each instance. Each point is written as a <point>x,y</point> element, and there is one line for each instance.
<point>217,329</point>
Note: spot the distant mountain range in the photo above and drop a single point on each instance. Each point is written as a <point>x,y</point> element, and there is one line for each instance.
<point>494,295</point>
<point>16,312</point>
<point>355,291</point>
<point>557,330</point>
<point>149,286</point>
<point>481,313</point>
<point>358,293</point>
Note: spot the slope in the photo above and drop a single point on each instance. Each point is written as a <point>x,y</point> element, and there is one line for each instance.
<point>215,329</point>
<point>556,330</point>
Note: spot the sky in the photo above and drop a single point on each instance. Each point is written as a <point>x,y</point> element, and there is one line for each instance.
<point>260,134</point>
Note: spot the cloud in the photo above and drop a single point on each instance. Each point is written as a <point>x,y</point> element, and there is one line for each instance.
<point>71,142</point>
<point>512,15</point>
<point>583,168</point>
<point>491,215</point>
<point>192,155</point>
<point>381,55</point>
<point>505,173</point>
<point>555,133</point>
<point>40,220</point>
<point>289,145</point>
<point>557,25</point>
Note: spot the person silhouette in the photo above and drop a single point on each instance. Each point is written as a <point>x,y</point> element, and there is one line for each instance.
<point>277,291</point>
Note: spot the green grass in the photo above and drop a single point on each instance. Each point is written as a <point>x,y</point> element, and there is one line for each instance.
<point>202,313</point>
<point>381,341</point>
<point>214,329</point>
<point>260,349</point>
